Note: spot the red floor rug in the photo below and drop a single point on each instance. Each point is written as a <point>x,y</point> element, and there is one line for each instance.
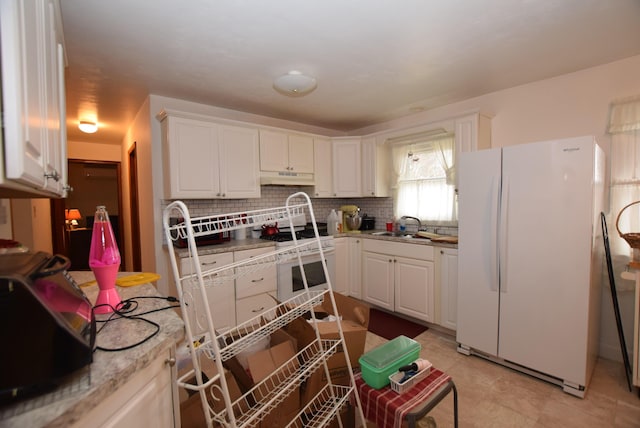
<point>390,326</point>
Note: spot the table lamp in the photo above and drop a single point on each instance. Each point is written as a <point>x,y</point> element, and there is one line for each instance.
<point>71,217</point>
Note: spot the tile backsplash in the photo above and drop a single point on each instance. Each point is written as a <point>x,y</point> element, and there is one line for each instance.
<point>275,196</point>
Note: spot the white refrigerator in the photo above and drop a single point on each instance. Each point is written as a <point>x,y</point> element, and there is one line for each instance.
<point>530,257</point>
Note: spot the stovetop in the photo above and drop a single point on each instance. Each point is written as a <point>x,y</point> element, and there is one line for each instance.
<point>287,236</point>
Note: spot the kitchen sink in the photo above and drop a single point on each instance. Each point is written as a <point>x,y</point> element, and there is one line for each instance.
<point>394,234</point>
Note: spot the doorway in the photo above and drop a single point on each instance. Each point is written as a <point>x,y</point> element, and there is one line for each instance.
<point>94,183</point>
<point>133,206</point>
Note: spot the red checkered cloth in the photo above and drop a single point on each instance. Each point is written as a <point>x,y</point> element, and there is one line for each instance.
<point>387,408</point>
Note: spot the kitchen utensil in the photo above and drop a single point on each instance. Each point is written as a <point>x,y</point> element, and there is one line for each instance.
<point>353,212</point>
<point>268,229</point>
<point>353,221</point>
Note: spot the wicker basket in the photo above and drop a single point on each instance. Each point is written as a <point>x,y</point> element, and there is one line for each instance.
<point>633,239</point>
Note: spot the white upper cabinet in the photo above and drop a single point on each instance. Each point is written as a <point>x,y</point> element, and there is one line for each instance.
<point>33,112</point>
<point>375,168</point>
<point>240,159</point>
<point>281,151</point>
<point>208,160</point>
<point>473,132</point>
<point>347,172</point>
<point>323,166</point>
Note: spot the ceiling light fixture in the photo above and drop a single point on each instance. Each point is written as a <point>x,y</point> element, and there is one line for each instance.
<point>294,84</point>
<point>88,127</point>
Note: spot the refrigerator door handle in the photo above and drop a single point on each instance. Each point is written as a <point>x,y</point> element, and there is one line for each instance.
<point>502,251</point>
<point>495,233</point>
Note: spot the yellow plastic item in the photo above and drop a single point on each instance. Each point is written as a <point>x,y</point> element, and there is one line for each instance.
<point>131,280</point>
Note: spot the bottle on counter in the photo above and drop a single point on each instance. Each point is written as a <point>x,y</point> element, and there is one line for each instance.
<point>332,222</point>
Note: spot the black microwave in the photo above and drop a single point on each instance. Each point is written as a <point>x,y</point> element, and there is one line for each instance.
<point>47,325</point>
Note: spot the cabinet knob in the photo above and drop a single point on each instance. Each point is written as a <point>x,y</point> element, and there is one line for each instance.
<point>53,174</point>
<point>170,362</point>
<point>67,188</point>
<point>441,252</point>
<point>257,280</point>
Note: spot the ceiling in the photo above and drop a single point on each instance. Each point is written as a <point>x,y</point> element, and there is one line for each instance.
<point>374,60</point>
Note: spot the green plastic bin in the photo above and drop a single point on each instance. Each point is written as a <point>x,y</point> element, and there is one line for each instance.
<point>384,360</point>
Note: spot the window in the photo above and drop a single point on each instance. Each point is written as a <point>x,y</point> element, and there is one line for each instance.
<point>624,128</point>
<point>425,179</point>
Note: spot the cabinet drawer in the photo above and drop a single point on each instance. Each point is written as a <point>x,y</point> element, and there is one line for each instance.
<point>414,251</point>
<point>261,281</point>
<point>207,262</point>
<point>253,306</point>
<point>258,282</point>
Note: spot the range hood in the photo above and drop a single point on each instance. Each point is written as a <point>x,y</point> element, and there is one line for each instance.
<point>285,178</point>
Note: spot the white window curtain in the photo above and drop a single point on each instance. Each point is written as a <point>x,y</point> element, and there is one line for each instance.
<point>425,177</point>
<point>624,127</point>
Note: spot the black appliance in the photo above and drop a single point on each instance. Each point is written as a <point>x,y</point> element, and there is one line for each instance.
<point>47,325</point>
<point>368,223</point>
<point>212,238</point>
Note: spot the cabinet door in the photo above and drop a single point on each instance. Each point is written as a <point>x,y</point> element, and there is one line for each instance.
<point>221,297</point>
<point>239,166</point>
<point>301,153</point>
<point>347,178</point>
<point>192,151</point>
<point>274,151</point>
<point>414,288</point>
<point>343,279</point>
<point>377,279</point>
<point>24,67</point>
<point>375,168</point>
<point>54,61</point>
<point>448,270</point>
<point>146,399</point>
<point>355,267</point>
<point>323,168</point>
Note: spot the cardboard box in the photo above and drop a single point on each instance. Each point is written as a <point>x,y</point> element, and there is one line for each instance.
<point>191,411</point>
<point>275,360</point>
<point>355,321</point>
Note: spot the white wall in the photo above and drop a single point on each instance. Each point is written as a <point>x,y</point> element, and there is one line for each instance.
<point>140,132</point>
<point>6,230</point>
<point>94,151</point>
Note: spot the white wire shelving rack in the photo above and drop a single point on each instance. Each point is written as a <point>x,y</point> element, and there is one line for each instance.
<point>205,342</point>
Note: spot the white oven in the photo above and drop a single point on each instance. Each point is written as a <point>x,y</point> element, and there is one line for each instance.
<point>290,279</point>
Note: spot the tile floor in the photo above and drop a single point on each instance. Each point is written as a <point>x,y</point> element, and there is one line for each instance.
<point>490,395</point>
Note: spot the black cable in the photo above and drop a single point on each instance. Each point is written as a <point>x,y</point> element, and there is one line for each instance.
<point>123,311</point>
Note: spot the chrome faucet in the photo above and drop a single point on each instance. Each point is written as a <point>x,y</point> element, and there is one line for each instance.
<point>406,217</point>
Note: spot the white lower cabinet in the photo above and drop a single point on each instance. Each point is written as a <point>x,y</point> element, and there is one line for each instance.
<point>348,264</point>
<point>447,287</point>
<point>414,288</point>
<point>147,399</point>
<point>255,291</point>
<point>224,317</point>
<point>377,279</point>
<point>341,284</point>
<point>399,277</point>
